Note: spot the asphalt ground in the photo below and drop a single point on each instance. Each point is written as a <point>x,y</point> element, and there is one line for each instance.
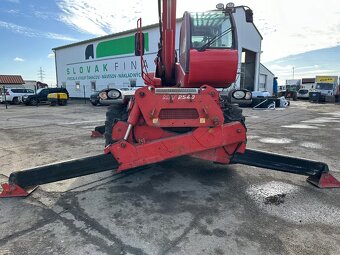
<point>181,206</point>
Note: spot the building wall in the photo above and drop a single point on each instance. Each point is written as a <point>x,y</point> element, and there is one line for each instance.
<point>266,79</point>
<point>30,84</point>
<point>76,73</point>
<point>249,39</point>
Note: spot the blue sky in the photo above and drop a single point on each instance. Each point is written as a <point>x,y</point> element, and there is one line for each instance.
<point>303,34</point>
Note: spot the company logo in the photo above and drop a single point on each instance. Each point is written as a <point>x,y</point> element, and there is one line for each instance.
<point>114,47</point>
<point>89,52</point>
<point>326,79</point>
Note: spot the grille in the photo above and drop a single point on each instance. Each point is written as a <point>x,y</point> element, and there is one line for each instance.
<point>178,114</point>
<point>179,91</point>
<point>303,91</point>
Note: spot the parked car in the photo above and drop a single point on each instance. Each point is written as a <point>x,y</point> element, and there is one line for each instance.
<point>94,98</point>
<point>41,95</point>
<point>303,93</point>
<point>13,95</point>
<point>116,95</point>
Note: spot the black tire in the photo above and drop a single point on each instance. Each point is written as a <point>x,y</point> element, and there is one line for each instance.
<point>114,113</point>
<point>62,102</point>
<point>53,103</point>
<point>15,100</point>
<point>33,102</point>
<point>232,112</point>
<point>294,96</point>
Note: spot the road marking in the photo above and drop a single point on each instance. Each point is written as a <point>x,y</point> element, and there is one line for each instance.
<point>81,122</point>
<point>311,145</point>
<point>300,126</point>
<point>275,140</point>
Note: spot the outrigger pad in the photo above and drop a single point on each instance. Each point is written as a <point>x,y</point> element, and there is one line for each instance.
<point>96,134</point>
<point>14,190</point>
<point>325,180</point>
<point>98,131</point>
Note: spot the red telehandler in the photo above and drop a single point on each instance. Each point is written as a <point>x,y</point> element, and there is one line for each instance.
<point>179,111</point>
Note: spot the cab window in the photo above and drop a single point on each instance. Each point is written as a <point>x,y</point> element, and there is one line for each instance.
<point>211,29</point>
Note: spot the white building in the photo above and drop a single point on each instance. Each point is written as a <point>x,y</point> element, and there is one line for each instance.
<point>30,84</point>
<point>109,61</point>
<point>266,79</point>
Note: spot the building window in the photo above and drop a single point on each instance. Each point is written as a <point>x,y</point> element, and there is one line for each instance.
<point>77,85</point>
<point>133,83</point>
<point>93,86</point>
<point>243,57</point>
<point>262,82</point>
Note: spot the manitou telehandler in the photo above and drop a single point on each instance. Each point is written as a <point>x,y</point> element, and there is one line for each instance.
<point>179,111</point>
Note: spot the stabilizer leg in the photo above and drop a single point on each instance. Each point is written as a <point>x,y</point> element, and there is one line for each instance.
<point>20,183</point>
<point>318,172</point>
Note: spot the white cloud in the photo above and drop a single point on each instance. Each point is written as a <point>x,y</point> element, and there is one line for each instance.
<point>13,11</point>
<point>289,27</point>
<point>17,59</point>
<point>281,68</point>
<point>100,17</point>
<point>296,26</point>
<point>13,1</point>
<point>105,16</point>
<point>51,55</point>
<point>42,15</point>
<point>300,73</point>
<point>34,33</point>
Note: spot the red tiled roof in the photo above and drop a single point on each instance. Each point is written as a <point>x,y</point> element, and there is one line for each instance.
<point>11,79</point>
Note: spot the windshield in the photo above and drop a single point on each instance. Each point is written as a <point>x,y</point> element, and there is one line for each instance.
<point>211,30</point>
<point>292,87</point>
<point>38,91</point>
<point>324,86</point>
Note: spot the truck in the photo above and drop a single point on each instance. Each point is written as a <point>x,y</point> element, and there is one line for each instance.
<point>307,85</point>
<point>326,89</point>
<point>179,111</point>
<point>291,89</point>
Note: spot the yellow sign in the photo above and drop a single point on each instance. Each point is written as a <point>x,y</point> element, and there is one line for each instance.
<point>326,79</point>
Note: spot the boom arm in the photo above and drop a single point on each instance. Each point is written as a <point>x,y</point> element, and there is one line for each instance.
<point>166,55</point>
